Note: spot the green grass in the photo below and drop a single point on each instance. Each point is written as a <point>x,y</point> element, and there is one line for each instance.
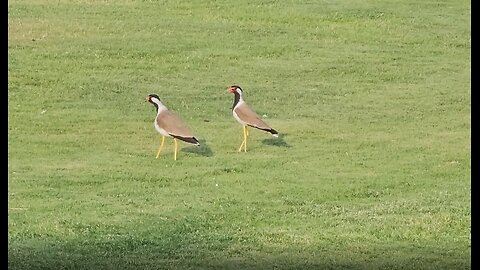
<point>371,98</point>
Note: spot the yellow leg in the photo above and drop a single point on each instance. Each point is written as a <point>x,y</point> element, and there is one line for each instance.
<point>175,144</point>
<point>241,145</point>
<point>161,146</point>
<point>244,142</point>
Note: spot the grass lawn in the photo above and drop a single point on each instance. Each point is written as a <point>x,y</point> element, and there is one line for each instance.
<point>371,169</point>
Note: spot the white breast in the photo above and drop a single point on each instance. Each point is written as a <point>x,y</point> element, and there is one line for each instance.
<point>159,129</point>
<point>235,114</point>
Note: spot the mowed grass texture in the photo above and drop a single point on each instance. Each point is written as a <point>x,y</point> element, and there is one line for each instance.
<point>371,169</point>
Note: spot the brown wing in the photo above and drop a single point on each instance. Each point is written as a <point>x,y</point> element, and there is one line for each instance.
<point>247,115</point>
<point>173,125</point>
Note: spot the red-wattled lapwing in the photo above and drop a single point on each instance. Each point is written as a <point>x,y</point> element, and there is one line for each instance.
<point>246,116</point>
<point>168,124</point>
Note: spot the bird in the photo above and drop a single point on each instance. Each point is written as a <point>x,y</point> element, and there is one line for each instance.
<point>246,116</point>
<point>168,124</point>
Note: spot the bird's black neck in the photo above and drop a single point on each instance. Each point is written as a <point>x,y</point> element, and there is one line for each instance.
<point>156,106</point>
<point>236,99</point>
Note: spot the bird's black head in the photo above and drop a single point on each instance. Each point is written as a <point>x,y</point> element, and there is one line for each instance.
<point>149,97</point>
<point>235,88</point>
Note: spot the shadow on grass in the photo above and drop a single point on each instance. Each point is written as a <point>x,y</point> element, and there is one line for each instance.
<point>277,141</point>
<point>193,254</point>
<point>189,243</point>
<point>203,149</point>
